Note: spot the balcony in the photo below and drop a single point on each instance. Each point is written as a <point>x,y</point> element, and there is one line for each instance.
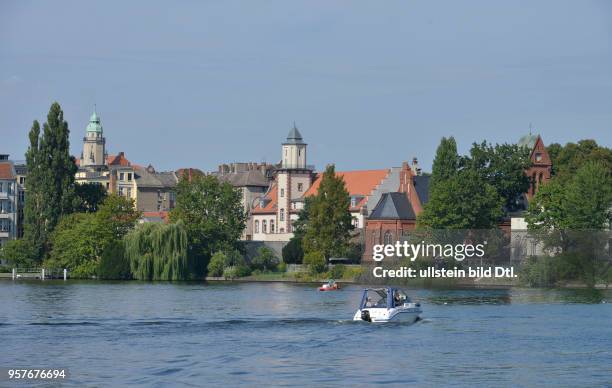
<point>4,234</point>
<point>4,195</point>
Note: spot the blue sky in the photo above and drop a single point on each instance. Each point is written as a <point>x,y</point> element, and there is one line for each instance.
<point>369,84</point>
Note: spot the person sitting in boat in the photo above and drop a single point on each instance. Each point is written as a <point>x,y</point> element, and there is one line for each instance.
<point>397,298</point>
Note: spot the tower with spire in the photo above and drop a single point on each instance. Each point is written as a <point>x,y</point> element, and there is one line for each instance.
<point>94,143</point>
<point>294,177</point>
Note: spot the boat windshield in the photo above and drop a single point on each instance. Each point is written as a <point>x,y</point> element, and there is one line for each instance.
<point>376,298</point>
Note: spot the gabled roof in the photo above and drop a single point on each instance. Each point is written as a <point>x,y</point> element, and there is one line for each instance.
<point>271,202</point>
<point>360,182</point>
<point>117,160</point>
<point>393,206</point>
<point>146,178</point>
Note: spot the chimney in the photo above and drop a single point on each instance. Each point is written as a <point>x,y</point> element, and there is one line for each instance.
<point>415,166</point>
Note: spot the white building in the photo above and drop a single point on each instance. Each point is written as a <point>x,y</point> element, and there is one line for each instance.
<point>275,212</point>
<point>8,200</point>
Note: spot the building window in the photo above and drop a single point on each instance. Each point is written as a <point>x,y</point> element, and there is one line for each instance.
<point>121,176</point>
<point>353,201</point>
<point>256,226</point>
<point>120,190</point>
<point>356,222</point>
<point>282,215</point>
<point>264,226</point>
<point>129,176</point>
<point>282,194</point>
<point>22,180</point>
<point>272,230</point>
<point>388,237</point>
<point>538,157</point>
<point>300,187</point>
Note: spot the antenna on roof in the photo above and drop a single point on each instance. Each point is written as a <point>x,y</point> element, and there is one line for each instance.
<point>530,128</point>
<point>294,127</point>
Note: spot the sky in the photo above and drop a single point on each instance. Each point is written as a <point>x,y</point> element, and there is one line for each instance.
<point>369,84</point>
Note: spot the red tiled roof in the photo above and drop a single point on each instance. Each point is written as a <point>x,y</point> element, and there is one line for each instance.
<point>164,215</point>
<point>272,196</point>
<point>360,182</point>
<point>117,160</point>
<point>6,170</point>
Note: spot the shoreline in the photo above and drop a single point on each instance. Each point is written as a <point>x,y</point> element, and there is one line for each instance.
<point>431,285</point>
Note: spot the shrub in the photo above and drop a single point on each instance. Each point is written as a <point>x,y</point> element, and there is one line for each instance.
<point>282,267</point>
<point>293,252</point>
<point>353,272</point>
<point>216,265</point>
<point>337,271</point>
<point>315,262</point>
<point>236,271</point>
<point>265,259</point>
<point>85,270</point>
<point>19,253</point>
<point>113,264</point>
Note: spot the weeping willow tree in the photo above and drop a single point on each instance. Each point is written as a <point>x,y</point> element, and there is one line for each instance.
<point>158,252</point>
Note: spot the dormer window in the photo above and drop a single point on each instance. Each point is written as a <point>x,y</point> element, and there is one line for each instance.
<point>353,201</point>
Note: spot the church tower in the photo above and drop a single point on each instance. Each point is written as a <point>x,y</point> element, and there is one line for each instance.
<point>293,178</point>
<point>94,153</point>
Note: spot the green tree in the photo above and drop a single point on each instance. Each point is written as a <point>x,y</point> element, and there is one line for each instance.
<point>265,259</point>
<point>213,216</point>
<point>446,161</point>
<point>113,264</point>
<point>330,222</point>
<point>463,201</point>
<point>582,203</point>
<point>158,252</point>
<point>79,240</point>
<point>315,261</point>
<point>293,252</point>
<point>503,167</point>
<point>19,253</point>
<point>90,196</point>
<point>217,264</point>
<point>566,160</point>
<point>50,183</point>
<point>75,245</point>
<point>570,218</point>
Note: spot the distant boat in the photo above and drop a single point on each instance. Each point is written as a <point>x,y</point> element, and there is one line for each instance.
<point>387,305</point>
<point>331,285</point>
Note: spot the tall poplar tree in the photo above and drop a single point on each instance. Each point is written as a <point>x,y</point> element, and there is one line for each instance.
<point>329,224</point>
<point>50,183</point>
<point>446,161</point>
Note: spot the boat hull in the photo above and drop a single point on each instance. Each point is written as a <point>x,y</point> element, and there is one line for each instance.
<point>381,315</point>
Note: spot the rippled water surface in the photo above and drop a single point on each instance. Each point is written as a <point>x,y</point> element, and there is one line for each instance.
<point>163,334</point>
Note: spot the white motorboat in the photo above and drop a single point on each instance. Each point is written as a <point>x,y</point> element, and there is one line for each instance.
<point>387,305</point>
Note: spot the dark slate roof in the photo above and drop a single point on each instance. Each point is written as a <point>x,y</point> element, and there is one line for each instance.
<point>245,178</point>
<point>294,137</point>
<point>421,184</point>
<point>151,178</point>
<point>393,206</point>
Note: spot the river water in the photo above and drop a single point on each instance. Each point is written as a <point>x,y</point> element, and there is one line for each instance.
<point>225,334</point>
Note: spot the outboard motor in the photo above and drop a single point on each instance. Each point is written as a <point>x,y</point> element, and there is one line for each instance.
<point>365,316</point>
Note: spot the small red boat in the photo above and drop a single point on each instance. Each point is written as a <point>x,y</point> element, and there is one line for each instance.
<point>329,286</point>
